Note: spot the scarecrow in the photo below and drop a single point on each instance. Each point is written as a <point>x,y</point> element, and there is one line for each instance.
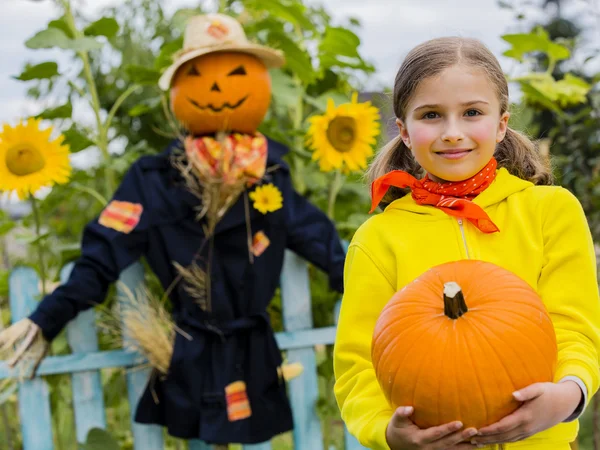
<point>213,216</point>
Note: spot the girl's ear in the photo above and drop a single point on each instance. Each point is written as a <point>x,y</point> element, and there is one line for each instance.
<point>403,133</point>
<point>502,127</point>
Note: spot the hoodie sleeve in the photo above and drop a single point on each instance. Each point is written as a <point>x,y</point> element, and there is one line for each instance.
<point>568,285</point>
<point>110,243</point>
<point>364,408</point>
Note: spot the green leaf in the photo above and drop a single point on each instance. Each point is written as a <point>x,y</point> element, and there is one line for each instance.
<point>40,71</point>
<point>54,37</point>
<point>142,75</point>
<point>4,275</point>
<point>165,57</point>
<point>340,41</point>
<point>557,52</point>
<point>62,25</point>
<point>144,107</point>
<point>106,26</point>
<point>339,48</point>
<point>6,227</point>
<point>76,140</point>
<point>60,112</point>
<point>284,10</point>
<point>286,93</point>
<point>297,60</point>
<point>48,38</point>
<point>537,41</point>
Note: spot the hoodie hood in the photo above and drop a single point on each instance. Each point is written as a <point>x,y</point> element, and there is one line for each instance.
<point>503,186</point>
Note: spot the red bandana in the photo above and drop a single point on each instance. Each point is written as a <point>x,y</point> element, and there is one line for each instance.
<point>454,198</point>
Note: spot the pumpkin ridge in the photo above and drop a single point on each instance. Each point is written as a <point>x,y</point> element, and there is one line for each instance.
<point>381,358</point>
<point>515,356</point>
<point>379,332</point>
<point>422,366</point>
<point>520,332</point>
<point>439,391</point>
<point>467,346</point>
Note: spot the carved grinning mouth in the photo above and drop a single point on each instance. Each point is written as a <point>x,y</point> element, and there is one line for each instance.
<point>214,108</point>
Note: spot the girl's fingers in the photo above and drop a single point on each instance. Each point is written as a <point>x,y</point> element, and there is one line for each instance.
<point>401,416</point>
<point>434,434</point>
<point>457,438</point>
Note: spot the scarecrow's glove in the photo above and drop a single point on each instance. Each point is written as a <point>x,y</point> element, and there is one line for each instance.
<point>23,347</point>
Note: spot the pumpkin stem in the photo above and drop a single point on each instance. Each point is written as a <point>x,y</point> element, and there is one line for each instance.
<point>454,300</point>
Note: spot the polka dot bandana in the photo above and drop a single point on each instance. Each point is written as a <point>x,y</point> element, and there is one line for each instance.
<point>454,198</point>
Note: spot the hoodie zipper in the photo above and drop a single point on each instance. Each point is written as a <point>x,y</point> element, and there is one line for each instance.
<point>464,238</point>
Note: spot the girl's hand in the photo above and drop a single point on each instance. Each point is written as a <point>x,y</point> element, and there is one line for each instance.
<point>403,434</point>
<point>544,405</point>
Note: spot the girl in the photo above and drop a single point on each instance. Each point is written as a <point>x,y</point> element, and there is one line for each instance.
<point>451,104</point>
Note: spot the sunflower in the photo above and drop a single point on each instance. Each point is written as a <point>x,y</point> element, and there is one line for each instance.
<point>267,198</point>
<point>29,160</point>
<point>343,137</point>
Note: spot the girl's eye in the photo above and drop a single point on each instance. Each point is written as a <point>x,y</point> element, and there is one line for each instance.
<point>430,115</point>
<point>473,113</point>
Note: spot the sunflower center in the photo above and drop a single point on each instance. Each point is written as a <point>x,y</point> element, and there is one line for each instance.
<point>341,133</point>
<point>23,160</point>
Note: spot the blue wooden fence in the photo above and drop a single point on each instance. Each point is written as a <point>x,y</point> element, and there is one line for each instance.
<point>298,339</point>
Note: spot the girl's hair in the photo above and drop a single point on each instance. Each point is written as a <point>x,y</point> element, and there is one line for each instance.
<point>517,153</point>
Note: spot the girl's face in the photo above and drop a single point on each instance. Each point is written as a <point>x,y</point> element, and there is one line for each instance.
<point>453,123</point>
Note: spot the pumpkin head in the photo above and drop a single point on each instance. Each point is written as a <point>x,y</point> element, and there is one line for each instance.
<point>459,340</point>
<point>221,91</point>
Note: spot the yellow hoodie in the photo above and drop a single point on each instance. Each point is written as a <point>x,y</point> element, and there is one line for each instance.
<point>544,238</point>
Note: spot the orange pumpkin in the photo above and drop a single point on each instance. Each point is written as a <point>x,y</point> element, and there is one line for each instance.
<point>221,91</point>
<point>459,340</point>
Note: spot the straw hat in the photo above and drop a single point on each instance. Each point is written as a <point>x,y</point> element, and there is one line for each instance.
<point>216,33</point>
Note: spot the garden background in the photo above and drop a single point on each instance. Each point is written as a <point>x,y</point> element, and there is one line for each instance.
<point>107,104</point>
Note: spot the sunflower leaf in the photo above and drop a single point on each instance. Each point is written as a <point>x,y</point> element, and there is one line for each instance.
<point>62,25</point>
<point>55,37</point>
<point>106,26</point>
<point>142,75</point>
<point>144,106</point>
<point>296,59</point>
<point>60,112</point>
<point>48,38</point>
<point>40,71</point>
<point>76,140</point>
<point>165,57</point>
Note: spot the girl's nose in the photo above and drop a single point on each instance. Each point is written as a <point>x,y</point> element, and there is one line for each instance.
<point>452,134</point>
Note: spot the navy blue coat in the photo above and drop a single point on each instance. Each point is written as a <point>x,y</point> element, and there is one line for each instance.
<point>235,341</point>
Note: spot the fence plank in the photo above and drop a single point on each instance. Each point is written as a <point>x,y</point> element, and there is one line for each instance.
<point>34,399</point>
<point>145,437</point>
<point>195,444</point>
<point>88,401</point>
<point>78,362</point>
<point>297,315</point>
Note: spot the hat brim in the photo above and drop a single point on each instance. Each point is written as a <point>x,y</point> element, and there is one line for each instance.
<point>272,59</point>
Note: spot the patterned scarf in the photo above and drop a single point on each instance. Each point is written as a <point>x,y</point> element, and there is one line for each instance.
<point>454,198</point>
<point>230,158</point>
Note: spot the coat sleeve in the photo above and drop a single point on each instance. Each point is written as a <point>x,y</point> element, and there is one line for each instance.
<point>569,288</point>
<point>363,406</point>
<point>110,243</point>
<point>313,236</point>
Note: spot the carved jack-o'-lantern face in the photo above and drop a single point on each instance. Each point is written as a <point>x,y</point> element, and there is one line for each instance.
<point>224,91</point>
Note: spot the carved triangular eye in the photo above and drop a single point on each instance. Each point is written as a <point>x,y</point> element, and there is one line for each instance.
<point>237,71</point>
<point>193,71</point>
